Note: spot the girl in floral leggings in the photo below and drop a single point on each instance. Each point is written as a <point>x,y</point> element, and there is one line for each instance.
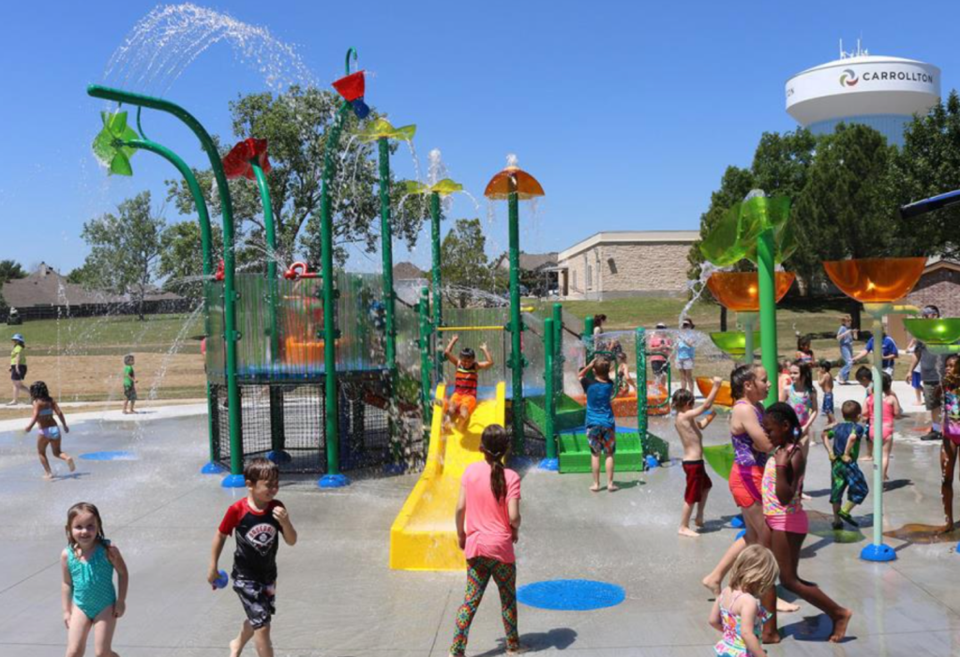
<point>488,519</point>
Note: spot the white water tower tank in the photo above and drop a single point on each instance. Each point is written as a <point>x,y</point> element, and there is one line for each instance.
<point>881,92</point>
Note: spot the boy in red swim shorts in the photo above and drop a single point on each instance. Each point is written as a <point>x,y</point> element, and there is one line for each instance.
<point>689,425</point>
<point>462,403</point>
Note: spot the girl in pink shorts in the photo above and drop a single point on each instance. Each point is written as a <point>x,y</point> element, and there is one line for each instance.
<point>783,511</point>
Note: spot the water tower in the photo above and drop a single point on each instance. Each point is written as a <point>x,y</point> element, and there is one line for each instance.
<point>881,92</point>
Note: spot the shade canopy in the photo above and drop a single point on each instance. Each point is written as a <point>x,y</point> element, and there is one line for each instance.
<point>510,180</point>
<point>739,291</point>
<point>934,331</point>
<point>875,280</point>
<point>735,236</point>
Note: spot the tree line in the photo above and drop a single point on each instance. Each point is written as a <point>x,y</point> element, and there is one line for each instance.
<point>847,188</point>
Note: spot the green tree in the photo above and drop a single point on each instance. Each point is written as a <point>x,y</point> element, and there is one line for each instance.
<point>181,257</point>
<point>296,124</point>
<point>124,249</point>
<point>465,265</point>
<point>847,207</point>
<point>9,270</point>
<point>927,165</point>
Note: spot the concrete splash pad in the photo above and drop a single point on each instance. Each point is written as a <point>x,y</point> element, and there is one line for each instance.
<point>337,596</point>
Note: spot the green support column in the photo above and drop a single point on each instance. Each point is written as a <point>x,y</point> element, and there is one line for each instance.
<point>226,206</point>
<point>558,357</point>
<point>203,215</point>
<point>516,322</point>
<point>277,430</point>
<point>587,337</point>
<point>550,462</point>
<point>435,217</point>
<point>333,478</point>
<point>641,350</point>
<point>749,321</point>
<point>766,278</point>
<point>386,249</point>
<point>426,361</point>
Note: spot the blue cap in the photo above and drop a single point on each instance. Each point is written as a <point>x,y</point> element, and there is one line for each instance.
<point>17,337</point>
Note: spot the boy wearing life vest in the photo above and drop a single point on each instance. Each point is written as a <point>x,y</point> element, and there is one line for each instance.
<point>464,399</point>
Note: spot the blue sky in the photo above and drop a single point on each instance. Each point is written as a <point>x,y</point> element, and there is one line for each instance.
<point>627,112</point>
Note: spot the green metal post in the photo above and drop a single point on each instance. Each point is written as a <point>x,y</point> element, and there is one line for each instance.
<point>435,217</point>
<point>749,321</point>
<point>516,321</point>
<point>206,246</point>
<point>231,335</point>
<point>426,362</point>
<point>766,277</point>
<point>386,248</point>
<point>333,477</point>
<point>641,348</point>
<point>558,351</point>
<point>587,337</point>
<point>277,430</point>
<point>550,398</point>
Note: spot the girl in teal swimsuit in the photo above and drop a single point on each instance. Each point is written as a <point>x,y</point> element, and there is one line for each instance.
<point>88,597</point>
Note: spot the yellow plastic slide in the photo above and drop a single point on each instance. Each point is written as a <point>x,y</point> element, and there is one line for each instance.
<point>424,535</point>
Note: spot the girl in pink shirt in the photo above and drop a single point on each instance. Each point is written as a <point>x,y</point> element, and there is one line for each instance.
<point>488,519</point>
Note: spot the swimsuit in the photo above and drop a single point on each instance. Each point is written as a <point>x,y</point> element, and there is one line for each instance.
<point>747,473</point>
<point>951,415</point>
<point>827,407</point>
<point>92,581</point>
<point>889,413</point>
<point>783,517</point>
<point>847,476</point>
<point>801,403</point>
<point>732,645</point>
<point>50,433</point>
<point>698,483</point>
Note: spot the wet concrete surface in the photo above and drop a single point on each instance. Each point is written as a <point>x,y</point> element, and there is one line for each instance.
<point>337,597</point>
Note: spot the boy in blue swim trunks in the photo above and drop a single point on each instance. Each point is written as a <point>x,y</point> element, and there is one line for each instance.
<point>601,425</point>
<point>258,521</point>
<point>845,473</point>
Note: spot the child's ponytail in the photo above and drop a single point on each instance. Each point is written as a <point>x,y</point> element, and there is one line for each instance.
<point>494,444</point>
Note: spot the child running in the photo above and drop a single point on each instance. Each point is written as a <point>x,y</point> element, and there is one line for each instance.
<point>129,385</point>
<point>257,519</point>
<point>488,522</point>
<point>891,411</point>
<point>825,379</point>
<point>44,408</point>
<point>689,425</point>
<point>784,514</point>
<point>737,611</point>
<point>600,423</point>
<point>951,435</point>
<point>462,403</point>
<point>88,596</point>
<point>844,471</point>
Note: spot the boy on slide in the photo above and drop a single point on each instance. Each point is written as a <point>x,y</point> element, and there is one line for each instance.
<point>464,399</point>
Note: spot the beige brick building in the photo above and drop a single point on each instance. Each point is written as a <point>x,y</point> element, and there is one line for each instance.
<point>626,263</point>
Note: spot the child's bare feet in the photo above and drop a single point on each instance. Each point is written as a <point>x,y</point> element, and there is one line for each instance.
<point>784,607</point>
<point>595,488</point>
<point>71,464</point>
<point>698,521</point>
<point>612,488</point>
<point>770,637</point>
<point>686,531</point>
<point>712,584</point>
<point>840,625</point>
<point>48,476</point>
<point>517,650</point>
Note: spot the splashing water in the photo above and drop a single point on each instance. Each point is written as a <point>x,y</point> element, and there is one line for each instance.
<point>512,160</point>
<point>698,286</point>
<point>167,40</point>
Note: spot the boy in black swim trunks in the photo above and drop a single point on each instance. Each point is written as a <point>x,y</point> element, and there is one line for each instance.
<point>257,519</point>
